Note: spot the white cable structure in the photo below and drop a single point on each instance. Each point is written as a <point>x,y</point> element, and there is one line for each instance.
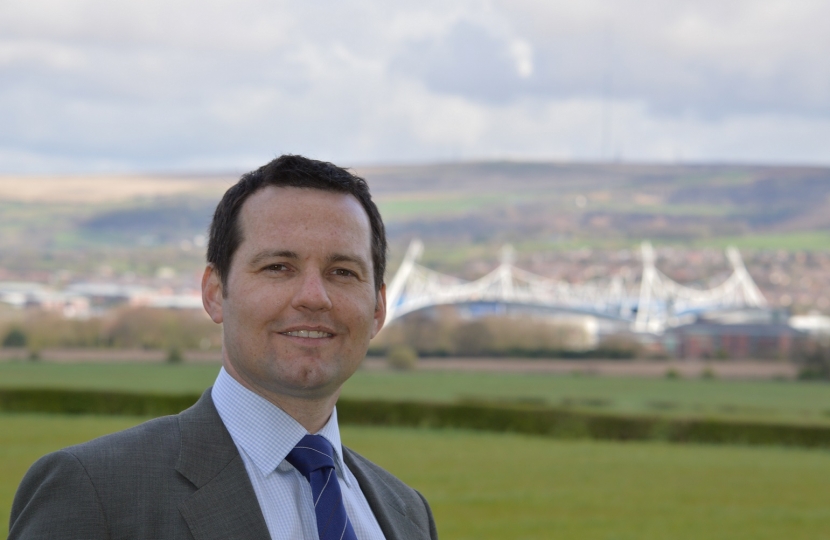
<point>649,309</point>
<point>663,299</point>
<point>415,287</point>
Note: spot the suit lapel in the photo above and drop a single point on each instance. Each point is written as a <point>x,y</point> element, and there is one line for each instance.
<point>224,505</point>
<point>389,509</point>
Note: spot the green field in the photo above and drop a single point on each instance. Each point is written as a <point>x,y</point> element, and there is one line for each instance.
<point>780,401</point>
<point>164,378</point>
<point>412,206</point>
<point>444,254</point>
<point>501,486</point>
<point>796,241</point>
<point>763,400</point>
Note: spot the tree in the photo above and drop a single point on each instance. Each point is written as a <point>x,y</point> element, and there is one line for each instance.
<point>815,364</point>
<point>15,338</point>
<point>472,339</point>
<point>402,357</point>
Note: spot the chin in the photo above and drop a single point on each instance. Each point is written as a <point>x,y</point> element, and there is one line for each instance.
<point>310,377</point>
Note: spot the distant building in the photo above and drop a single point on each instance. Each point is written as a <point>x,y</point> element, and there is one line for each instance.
<point>21,294</point>
<point>711,340</point>
<point>185,300</point>
<point>814,324</point>
<point>84,300</point>
<point>104,296</point>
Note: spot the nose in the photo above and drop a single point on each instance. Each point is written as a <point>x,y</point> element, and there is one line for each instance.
<point>311,294</point>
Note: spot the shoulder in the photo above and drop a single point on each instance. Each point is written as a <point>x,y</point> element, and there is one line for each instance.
<point>57,491</point>
<point>132,449</point>
<point>128,480</point>
<point>155,443</point>
<point>383,489</point>
<point>144,442</point>
<point>69,493</point>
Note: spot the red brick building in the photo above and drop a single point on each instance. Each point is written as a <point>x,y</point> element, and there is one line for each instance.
<point>711,340</point>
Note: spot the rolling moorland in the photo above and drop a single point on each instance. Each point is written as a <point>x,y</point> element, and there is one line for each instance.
<point>602,205</point>
<point>573,221</point>
<point>534,206</point>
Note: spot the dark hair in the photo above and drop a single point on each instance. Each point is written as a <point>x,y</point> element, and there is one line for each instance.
<point>289,171</point>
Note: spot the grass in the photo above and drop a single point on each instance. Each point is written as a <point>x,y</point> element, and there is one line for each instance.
<point>487,486</point>
<point>163,378</point>
<point>664,209</point>
<point>450,253</point>
<point>796,241</point>
<point>423,205</point>
<point>781,401</point>
<point>503,486</point>
<point>439,255</point>
<point>785,401</point>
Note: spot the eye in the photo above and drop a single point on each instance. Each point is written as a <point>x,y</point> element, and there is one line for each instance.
<point>277,267</point>
<point>343,272</point>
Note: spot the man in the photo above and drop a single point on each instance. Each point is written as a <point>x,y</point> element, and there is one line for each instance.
<point>295,274</point>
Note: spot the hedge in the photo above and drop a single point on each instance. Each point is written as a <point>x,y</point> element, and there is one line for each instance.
<point>572,424</point>
<point>532,420</point>
<point>93,402</point>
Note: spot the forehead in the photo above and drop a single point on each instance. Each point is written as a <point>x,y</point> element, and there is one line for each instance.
<point>290,214</point>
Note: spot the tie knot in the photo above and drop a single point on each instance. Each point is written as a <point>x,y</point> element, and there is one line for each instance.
<point>312,453</point>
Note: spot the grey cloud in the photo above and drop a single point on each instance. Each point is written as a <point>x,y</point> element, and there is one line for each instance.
<point>696,57</point>
<point>468,61</point>
<point>214,83</point>
<point>710,58</point>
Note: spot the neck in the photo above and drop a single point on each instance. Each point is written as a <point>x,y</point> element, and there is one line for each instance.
<point>311,415</point>
<point>311,412</point>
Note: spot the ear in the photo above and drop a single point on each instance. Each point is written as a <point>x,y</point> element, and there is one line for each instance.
<point>380,310</point>
<point>212,297</point>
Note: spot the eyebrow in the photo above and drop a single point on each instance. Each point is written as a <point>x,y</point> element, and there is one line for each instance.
<point>263,256</point>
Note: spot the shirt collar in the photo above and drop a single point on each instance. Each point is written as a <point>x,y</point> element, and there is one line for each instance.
<point>265,432</point>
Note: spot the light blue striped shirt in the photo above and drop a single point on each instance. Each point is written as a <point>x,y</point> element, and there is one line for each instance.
<point>264,434</point>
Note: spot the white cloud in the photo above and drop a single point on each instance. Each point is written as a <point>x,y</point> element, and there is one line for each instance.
<point>522,53</point>
<point>91,84</point>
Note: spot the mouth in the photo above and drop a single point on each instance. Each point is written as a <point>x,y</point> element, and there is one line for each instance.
<point>310,334</point>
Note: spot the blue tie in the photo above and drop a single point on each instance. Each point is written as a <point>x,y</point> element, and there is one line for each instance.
<point>313,457</point>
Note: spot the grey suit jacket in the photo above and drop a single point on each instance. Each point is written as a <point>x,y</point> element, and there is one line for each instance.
<point>178,477</point>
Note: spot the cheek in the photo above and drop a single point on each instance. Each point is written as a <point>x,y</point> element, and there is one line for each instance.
<point>258,305</point>
<point>364,312</point>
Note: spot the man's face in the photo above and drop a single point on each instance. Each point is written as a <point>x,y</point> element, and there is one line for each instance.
<point>299,305</point>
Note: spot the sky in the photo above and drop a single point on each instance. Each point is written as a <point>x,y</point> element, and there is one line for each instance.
<point>221,85</point>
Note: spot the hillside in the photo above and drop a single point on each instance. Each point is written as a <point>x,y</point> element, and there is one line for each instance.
<point>601,204</point>
<point>81,227</point>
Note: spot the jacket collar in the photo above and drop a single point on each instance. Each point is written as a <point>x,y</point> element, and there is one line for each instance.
<point>224,504</point>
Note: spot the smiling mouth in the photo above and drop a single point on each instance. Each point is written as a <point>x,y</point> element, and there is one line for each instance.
<point>312,334</point>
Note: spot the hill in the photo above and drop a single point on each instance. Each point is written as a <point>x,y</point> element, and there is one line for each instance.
<point>120,226</point>
<point>598,204</point>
